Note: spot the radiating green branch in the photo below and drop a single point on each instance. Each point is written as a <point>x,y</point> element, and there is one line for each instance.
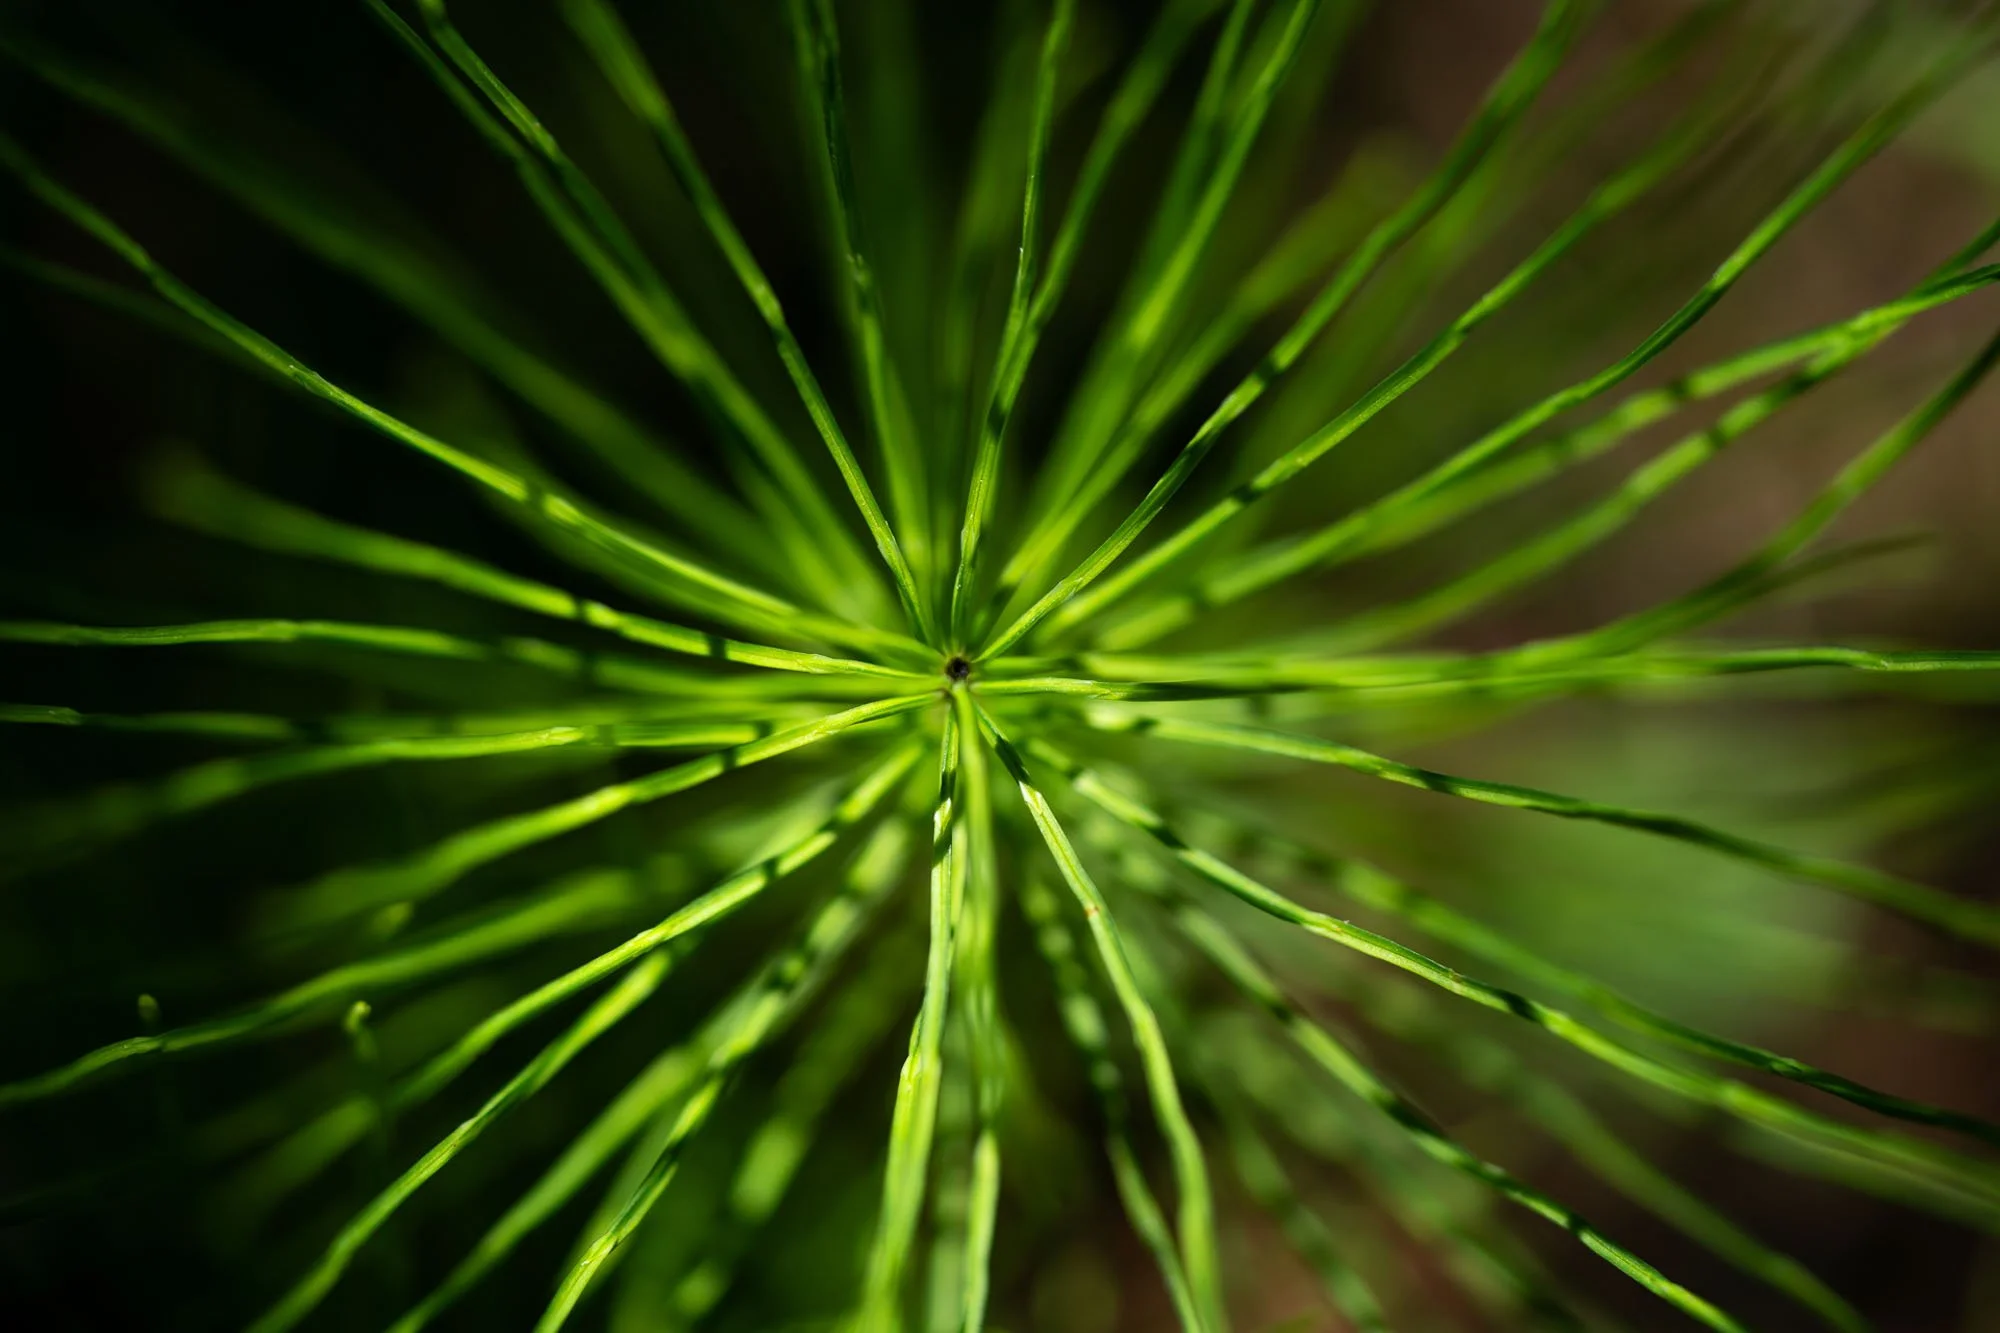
<point>317,1143</point>
<point>401,264</point>
<point>1837,167</point>
<point>757,1017</point>
<point>1567,540</point>
<point>581,901</point>
<point>1505,104</point>
<point>212,503</point>
<point>1447,493</point>
<point>109,813</point>
<point>1386,679</point>
<point>1964,918</point>
<point>914,1121</point>
<point>725,596</point>
<point>1083,1019</point>
<point>1476,212</point>
<point>634,989</point>
<point>425,873</point>
<point>1504,1280</point>
<point>1136,93</point>
<point>1130,691</point>
<point>1372,888</point>
<point>1017,337</point>
<point>409,640</point>
<point>858,1015</point>
<point>909,547</point>
<point>1567,1120</point>
<point>1208,935</point>
<point>1324,231</point>
<point>1196,1212</point>
<point>1943,1169</point>
<point>978,995</point>
<point>1121,354</point>
<point>593,231</point>
<point>1726,591</point>
<point>625,66</point>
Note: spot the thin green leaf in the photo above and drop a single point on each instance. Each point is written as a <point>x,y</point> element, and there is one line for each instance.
<point>1016,338</point>
<point>914,1121</point>
<point>817,36</point>
<point>1197,1214</point>
<point>212,503</point>
<point>423,874</point>
<point>1958,916</point>
<point>626,68</point>
<point>1838,166</point>
<point>592,229</point>
<point>1328,1053</point>
<point>761,1012</point>
<point>729,598</point>
<point>304,1297</point>
<point>1943,1169</point>
<point>1083,1019</point>
<point>1447,492</point>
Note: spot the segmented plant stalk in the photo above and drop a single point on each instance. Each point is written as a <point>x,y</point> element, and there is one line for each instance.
<point>693,965</point>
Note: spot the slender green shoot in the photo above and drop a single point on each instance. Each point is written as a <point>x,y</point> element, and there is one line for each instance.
<point>1016,345</point>
<point>1083,1019</point>
<point>1196,1213</point>
<point>917,1085</point>
<point>1870,139</point>
<point>816,34</point>
<point>1509,99</point>
<point>1958,916</point>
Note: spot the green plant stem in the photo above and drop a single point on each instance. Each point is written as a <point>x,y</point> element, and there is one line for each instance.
<point>1119,359</point>
<point>1083,1019</point>
<point>1965,919</point>
<point>1504,1281</point>
<point>1508,100</point>
<point>816,34</point>
<point>399,261</point>
<point>625,66</point>
<point>1435,499</point>
<point>1726,591</point>
<point>774,998</point>
<point>1208,936</point>
<point>762,1013</point>
<point>585,900</point>
<point>211,503</point>
<point>1476,210</point>
<point>113,812</point>
<point>1567,1120</point>
<point>631,991</point>
<point>1424,677</point>
<point>1842,163</point>
<point>1197,1216</point>
<point>1017,337</point>
<point>1942,1168</point>
<point>607,670</point>
<point>727,597</point>
<point>858,1015</point>
<point>978,993</point>
<point>1129,105</point>
<point>593,231</point>
<point>917,1085</point>
<point>343,893</point>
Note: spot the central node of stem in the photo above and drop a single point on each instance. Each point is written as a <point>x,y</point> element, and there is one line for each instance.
<point>957,668</point>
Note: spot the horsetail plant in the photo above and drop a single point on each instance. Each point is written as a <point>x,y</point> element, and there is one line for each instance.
<point>1017,722</point>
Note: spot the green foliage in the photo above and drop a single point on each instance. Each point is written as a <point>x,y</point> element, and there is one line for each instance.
<point>574,968</point>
